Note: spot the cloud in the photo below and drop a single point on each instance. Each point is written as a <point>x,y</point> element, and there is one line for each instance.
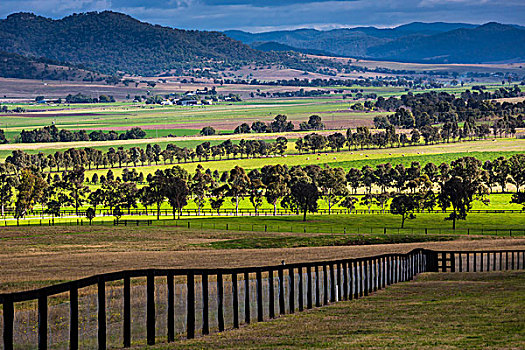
<point>263,15</point>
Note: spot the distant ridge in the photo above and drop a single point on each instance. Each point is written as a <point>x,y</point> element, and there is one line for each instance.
<point>111,42</point>
<point>414,42</point>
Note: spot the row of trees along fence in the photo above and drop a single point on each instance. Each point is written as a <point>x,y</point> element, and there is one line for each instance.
<point>114,309</point>
<point>242,212</point>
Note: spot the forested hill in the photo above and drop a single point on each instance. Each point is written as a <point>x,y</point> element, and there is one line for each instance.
<point>13,65</point>
<point>414,42</point>
<point>109,42</point>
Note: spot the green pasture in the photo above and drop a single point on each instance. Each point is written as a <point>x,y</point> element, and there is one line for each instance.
<point>490,224</point>
<point>366,223</point>
<point>483,150</point>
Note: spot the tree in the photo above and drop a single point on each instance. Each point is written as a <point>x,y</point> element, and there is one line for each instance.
<point>517,170</point>
<point>217,200</point>
<point>281,124</point>
<point>349,203</point>
<point>8,183</point>
<point>73,181</point>
<point>381,199</point>
<point>199,187</point>
<point>353,177</point>
<point>30,191</point>
<point>207,131</point>
<point>332,184</point>
<point>256,191</point>
<point>2,137</point>
<point>259,127</point>
<point>90,214</point>
<point>314,123</point>
<point>518,198</point>
<point>501,171</point>
<point>305,196</point>
<point>465,185</point>
<point>175,188</point>
<point>96,198</point>
<point>153,192</point>
<point>276,179</point>
<point>238,183</point>
<point>404,205</point>
<point>244,128</point>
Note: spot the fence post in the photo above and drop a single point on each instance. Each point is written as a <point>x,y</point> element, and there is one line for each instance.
<point>317,289</point>
<point>291,289</point>
<point>235,301</point>
<point>271,295</point>
<point>349,280</point>
<point>365,277</point>
<point>220,302</point>
<point>42,322</point>
<point>73,317</point>
<point>171,308</point>
<point>281,290</point>
<point>205,304</point>
<point>432,261</point>
<point>309,287</point>
<point>101,314</point>
<point>150,308</point>
<point>9,317</point>
<point>246,297</point>
<point>190,307</point>
<point>127,312</point>
<point>260,315</point>
<point>325,285</point>
<point>345,280</point>
<point>300,288</point>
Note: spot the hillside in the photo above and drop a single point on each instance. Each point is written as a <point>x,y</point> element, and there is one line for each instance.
<point>16,66</point>
<point>415,42</point>
<point>492,42</point>
<point>109,42</point>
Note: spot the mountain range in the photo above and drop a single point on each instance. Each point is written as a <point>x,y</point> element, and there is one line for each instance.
<point>415,42</point>
<point>33,46</point>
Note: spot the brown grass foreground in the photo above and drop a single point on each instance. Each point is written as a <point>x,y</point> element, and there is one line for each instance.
<point>32,257</point>
<point>435,311</point>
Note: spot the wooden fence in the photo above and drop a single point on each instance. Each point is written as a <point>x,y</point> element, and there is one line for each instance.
<point>177,303</point>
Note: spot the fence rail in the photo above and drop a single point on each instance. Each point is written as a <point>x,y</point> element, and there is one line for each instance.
<point>166,304</point>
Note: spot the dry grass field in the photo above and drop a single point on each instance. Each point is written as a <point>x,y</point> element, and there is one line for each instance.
<point>34,256</point>
<point>435,311</point>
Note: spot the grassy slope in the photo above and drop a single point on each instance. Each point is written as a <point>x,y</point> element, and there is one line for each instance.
<point>436,311</point>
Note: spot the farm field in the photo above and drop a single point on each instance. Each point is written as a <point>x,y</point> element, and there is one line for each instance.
<point>38,256</point>
<point>178,120</point>
<point>449,310</point>
<point>483,150</point>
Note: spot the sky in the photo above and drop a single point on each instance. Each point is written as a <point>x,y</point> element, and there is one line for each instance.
<point>267,15</point>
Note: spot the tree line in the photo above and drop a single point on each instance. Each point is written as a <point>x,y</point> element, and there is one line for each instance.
<point>409,190</point>
<point>361,138</point>
<point>418,110</point>
<point>53,134</point>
